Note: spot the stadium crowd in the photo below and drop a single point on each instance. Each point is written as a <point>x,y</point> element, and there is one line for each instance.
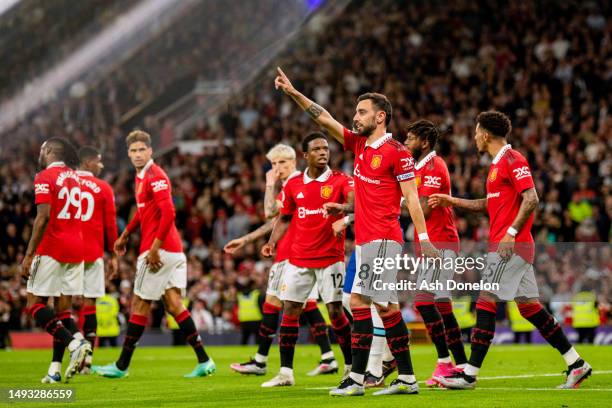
<point>444,62</point>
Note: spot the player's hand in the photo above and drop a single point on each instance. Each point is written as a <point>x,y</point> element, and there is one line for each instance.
<point>272,177</point>
<point>113,267</point>
<point>506,247</point>
<point>153,260</point>
<point>440,200</point>
<point>428,250</point>
<point>282,82</point>
<point>332,209</point>
<point>120,244</point>
<point>267,250</point>
<point>26,265</point>
<point>234,245</point>
<point>339,226</point>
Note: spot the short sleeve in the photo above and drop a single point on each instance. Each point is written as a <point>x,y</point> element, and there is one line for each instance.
<point>431,182</point>
<point>403,166</point>
<point>348,185</point>
<point>520,174</point>
<point>160,187</point>
<point>286,199</point>
<point>42,189</point>
<point>350,140</point>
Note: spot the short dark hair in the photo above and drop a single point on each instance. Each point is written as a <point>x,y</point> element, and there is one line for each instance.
<point>424,130</point>
<point>309,138</point>
<point>494,122</point>
<point>138,136</point>
<point>381,102</point>
<point>88,153</point>
<point>63,150</point>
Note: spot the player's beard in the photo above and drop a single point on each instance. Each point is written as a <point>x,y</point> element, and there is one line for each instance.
<point>366,130</point>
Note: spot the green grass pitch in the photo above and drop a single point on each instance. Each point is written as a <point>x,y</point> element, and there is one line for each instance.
<point>155,380</point>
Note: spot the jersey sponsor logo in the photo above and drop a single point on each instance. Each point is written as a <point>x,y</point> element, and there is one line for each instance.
<point>376,161</point>
<point>159,185</point>
<point>300,195</point>
<point>41,188</point>
<point>326,191</point>
<point>305,212</point>
<point>357,173</point>
<point>492,195</point>
<point>493,174</point>
<point>407,163</point>
<point>406,176</point>
<point>433,181</point>
<point>521,172</point>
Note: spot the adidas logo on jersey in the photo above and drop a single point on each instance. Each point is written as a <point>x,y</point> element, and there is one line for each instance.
<point>300,195</point>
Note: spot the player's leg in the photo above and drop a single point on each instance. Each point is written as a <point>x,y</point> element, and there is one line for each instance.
<point>90,326</point>
<point>374,372</point>
<point>62,305</point>
<point>148,286</point>
<point>46,280</point>
<point>398,339</point>
<point>452,332</point>
<point>578,370</point>
<point>269,323</point>
<point>93,288</point>
<point>507,273</point>
<point>319,331</point>
<point>298,283</point>
<point>288,337</point>
<point>329,285</point>
<point>173,300</point>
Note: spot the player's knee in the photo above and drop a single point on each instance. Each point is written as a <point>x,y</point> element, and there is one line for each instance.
<point>528,307</point>
<point>335,310</point>
<point>357,301</point>
<point>273,300</point>
<point>292,308</point>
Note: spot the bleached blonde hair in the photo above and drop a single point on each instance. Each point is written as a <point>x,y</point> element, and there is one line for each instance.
<point>281,150</point>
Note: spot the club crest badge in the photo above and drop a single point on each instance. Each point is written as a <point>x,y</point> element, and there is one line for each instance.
<point>376,161</point>
<point>326,191</point>
<point>493,175</point>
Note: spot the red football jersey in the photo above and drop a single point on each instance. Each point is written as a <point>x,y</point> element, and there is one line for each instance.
<point>314,244</point>
<point>378,170</point>
<point>156,211</point>
<point>59,187</point>
<point>283,246</point>
<point>432,177</point>
<point>98,215</point>
<point>508,177</point>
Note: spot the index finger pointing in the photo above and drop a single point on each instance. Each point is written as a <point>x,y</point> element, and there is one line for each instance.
<point>280,72</point>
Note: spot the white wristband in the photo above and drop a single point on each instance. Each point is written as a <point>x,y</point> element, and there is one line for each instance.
<point>423,236</point>
<point>346,220</point>
<point>512,231</point>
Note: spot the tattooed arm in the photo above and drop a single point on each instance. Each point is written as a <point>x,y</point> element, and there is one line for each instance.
<point>528,205</point>
<point>316,112</point>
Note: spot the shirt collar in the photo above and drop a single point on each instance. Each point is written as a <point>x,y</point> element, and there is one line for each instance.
<point>57,164</point>
<point>292,175</point>
<point>142,172</point>
<point>323,177</point>
<point>380,141</point>
<point>501,153</point>
<point>84,173</point>
<point>425,160</point>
